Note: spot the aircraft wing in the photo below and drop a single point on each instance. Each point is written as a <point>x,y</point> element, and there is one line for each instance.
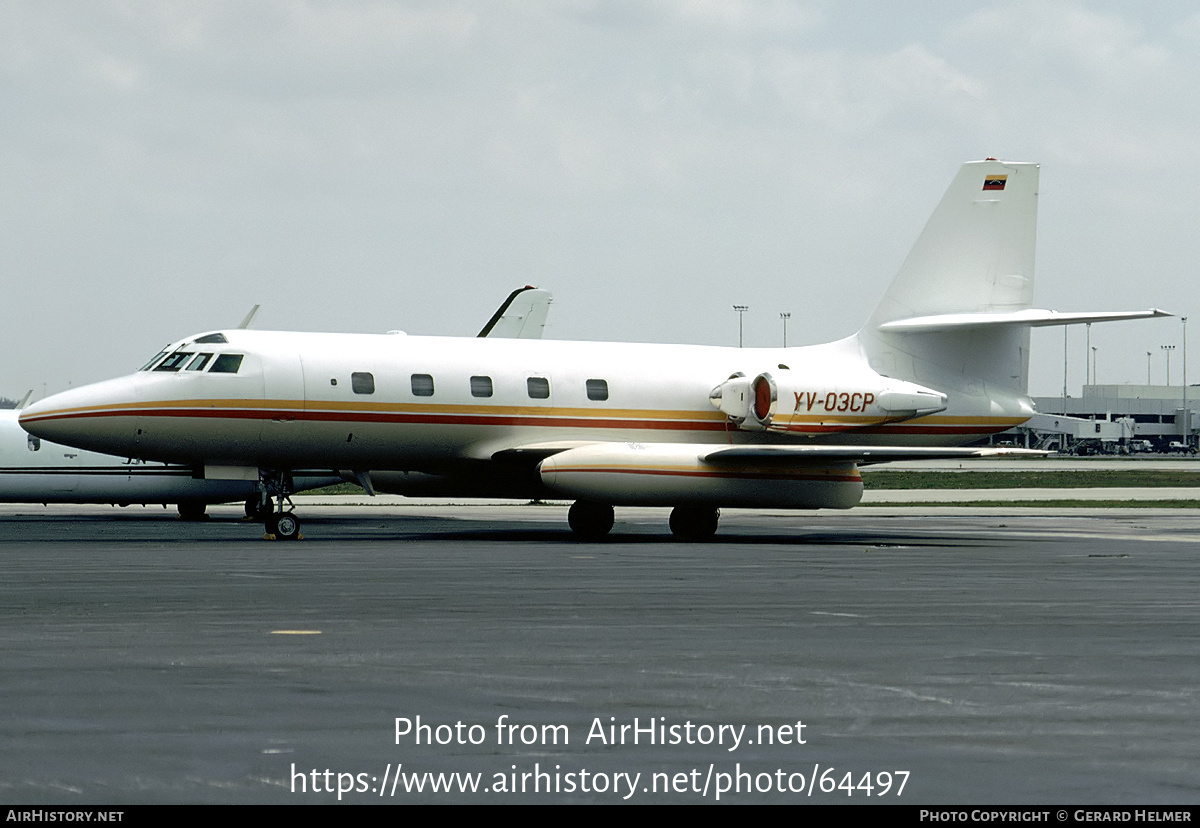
<point>863,455</point>
<point>521,316</point>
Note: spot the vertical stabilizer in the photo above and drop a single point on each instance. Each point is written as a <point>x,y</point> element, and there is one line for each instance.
<point>976,253</point>
<point>974,256</point>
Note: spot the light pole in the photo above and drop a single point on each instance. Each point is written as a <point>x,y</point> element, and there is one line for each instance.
<point>1187,415</point>
<point>1147,367</point>
<point>741,309</point>
<point>1088,347</point>
<point>785,316</point>
<point>1064,399</point>
<point>1095,381</point>
<point>1167,349</point>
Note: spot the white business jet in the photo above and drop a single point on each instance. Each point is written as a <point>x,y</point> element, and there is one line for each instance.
<point>941,363</point>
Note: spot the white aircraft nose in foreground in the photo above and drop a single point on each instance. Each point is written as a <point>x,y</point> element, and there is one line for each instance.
<point>942,362</point>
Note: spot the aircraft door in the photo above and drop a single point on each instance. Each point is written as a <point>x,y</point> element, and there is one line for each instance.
<point>283,396</point>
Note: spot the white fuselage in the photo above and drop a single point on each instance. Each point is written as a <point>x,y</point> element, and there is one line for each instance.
<point>433,404</point>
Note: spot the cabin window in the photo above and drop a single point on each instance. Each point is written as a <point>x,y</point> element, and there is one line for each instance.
<point>422,385</point>
<point>481,386</point>
<point>33,443</point>
<point>539,388</point>
<point>226,364</point>
<point>199,362</point>
<point>174,362</point>
<point>211,339</point>
<point>597,389</point>
<point>362,382</point>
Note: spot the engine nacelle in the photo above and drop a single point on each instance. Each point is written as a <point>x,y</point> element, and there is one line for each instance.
<point>668,474</point>
<point>787,402</point>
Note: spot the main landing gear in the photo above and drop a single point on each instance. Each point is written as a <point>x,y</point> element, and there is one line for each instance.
<point>694,523</point>
<point>280,523</point>
<point>191,510</point>
<point>591,521</point>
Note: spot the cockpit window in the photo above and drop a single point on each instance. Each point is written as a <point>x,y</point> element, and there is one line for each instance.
<point>211,339</point>
<point>226,364</point>
<point>199,362</point>
<point>174,362</point>
<point>157,357</point>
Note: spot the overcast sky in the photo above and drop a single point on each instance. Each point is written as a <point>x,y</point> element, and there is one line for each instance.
<point>367,166</point>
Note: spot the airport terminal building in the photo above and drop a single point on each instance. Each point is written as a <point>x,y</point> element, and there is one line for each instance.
<point>1114,418</point>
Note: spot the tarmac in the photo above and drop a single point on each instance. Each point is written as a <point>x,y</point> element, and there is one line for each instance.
<point>888,654</point>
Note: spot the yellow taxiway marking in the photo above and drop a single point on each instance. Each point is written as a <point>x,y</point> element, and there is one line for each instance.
<point>295,632</point>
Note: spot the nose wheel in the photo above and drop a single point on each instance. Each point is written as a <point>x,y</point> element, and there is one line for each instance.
<point>279,522</point>
<point>283,525</point>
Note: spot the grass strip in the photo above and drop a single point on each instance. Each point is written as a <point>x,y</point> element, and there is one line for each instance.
<point>1050,504</point>
<point>883,480</point>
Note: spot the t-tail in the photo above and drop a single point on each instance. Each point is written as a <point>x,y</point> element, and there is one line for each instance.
<point>958,314</point>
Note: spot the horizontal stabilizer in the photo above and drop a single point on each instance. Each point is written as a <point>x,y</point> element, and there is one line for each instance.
<point>862,455</point>
<point>1031,317</point>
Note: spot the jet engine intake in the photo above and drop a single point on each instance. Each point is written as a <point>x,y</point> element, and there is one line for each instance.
<point>795,403</point>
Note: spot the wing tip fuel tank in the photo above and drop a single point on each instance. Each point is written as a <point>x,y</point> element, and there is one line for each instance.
<point>633,474</point>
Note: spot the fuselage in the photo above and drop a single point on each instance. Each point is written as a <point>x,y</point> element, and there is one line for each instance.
<point>435,404</point>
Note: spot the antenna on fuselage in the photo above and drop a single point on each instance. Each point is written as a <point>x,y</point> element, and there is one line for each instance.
<point>249,318</point>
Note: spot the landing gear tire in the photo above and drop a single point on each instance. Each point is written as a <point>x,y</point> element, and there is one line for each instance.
<point>280,522</point>
<point>284,526</point>
<point>191,511</point>
<point>694,523</point>
<point>590,520</point>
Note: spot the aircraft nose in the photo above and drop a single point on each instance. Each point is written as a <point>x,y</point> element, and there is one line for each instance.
<point>100,417</point>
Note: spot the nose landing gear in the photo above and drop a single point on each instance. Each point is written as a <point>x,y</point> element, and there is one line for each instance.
<point>284,526</point>
<point>281,522</point>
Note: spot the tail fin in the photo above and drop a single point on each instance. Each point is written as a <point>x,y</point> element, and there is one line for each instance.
<point>974,258</point>
<point>976,253</point>
<point>958,314</point>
